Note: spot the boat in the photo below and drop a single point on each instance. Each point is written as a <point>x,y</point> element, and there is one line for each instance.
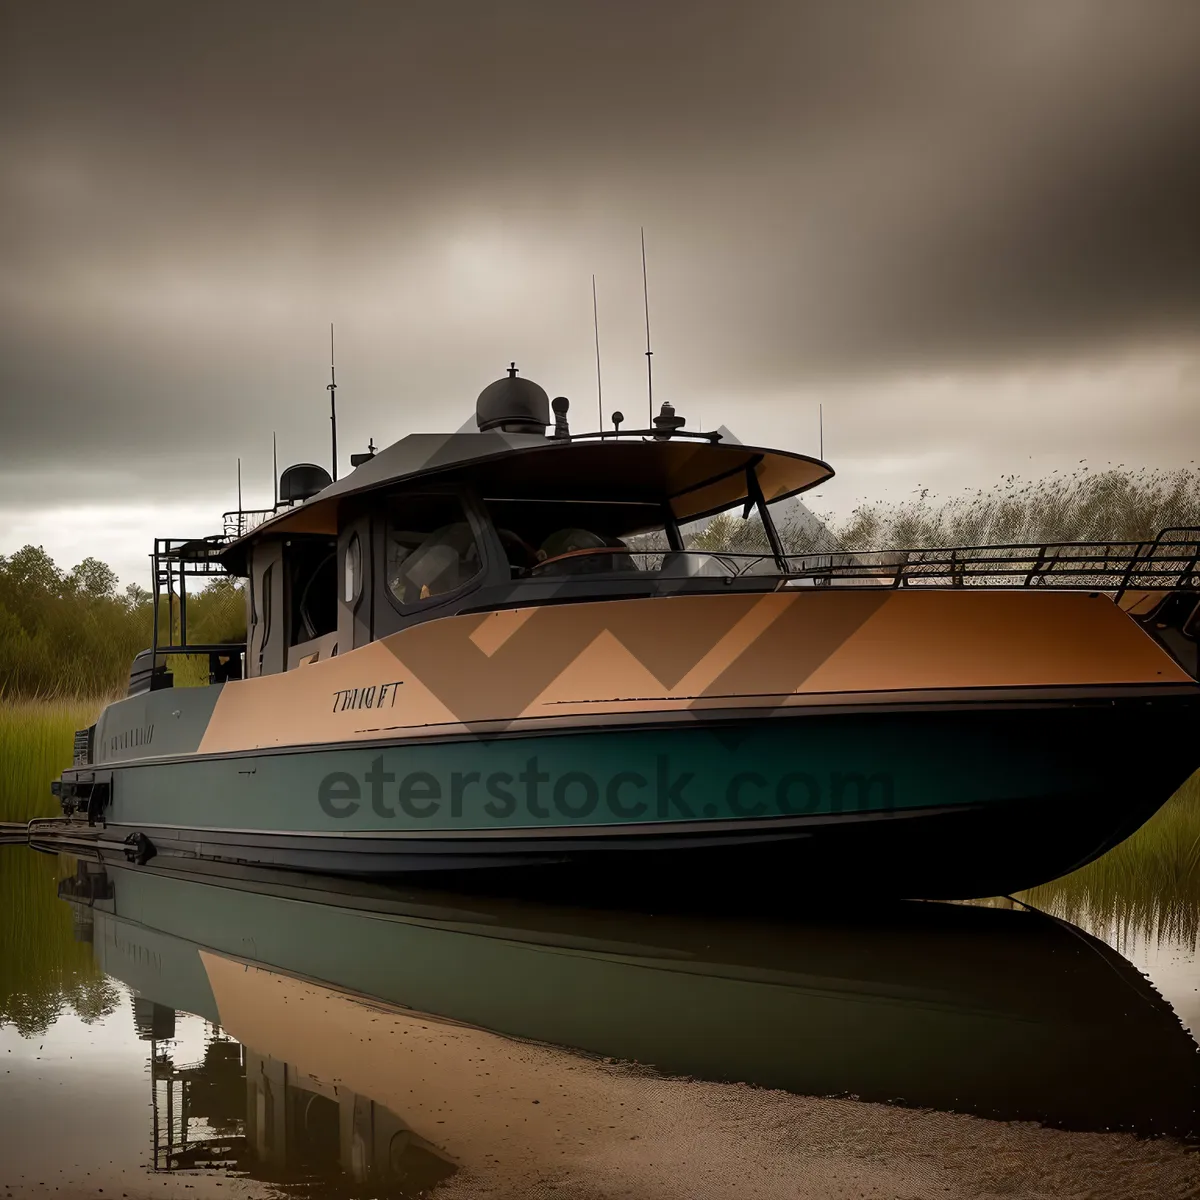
<point>509,655</point>
<point>398,1004</point>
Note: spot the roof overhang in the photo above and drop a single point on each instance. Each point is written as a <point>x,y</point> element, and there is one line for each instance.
<point>694,478</point>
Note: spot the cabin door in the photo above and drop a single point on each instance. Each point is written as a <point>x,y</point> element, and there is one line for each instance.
<point>356,587</point>
<point>266,628</point>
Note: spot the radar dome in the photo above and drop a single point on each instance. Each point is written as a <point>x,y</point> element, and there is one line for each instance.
<point>513,405</point>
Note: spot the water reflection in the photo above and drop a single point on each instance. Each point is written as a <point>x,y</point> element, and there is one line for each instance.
<point>249,1113</point>
<point>1146,889</point>
<point>44,969</point>
<point>393,1041</point>
<point>1003,1014</point>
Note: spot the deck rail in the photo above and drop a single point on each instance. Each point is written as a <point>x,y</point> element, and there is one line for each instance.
<point>1169,561</point>
<point>238,522</point>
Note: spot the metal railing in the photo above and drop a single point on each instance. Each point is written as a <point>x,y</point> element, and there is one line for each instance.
<point>239,522</point>
<point>1170,561</point>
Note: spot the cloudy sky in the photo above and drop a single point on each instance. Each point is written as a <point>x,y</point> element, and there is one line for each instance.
<point>970,231</point>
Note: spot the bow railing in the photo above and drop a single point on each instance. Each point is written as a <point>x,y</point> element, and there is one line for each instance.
<point>239,522</point>
<point>1169,561</point>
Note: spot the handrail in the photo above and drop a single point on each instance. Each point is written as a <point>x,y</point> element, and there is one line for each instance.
<point>238,522</point>
<point>204,648</point>
<point>1191,566</point>
<point>1169,561</point>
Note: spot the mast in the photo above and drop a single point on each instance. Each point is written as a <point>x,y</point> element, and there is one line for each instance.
<point>331,388</point>
<point>596,327</point>
<point>649,352</point>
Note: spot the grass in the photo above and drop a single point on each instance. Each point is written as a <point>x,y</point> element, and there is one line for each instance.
<point>36,738</point>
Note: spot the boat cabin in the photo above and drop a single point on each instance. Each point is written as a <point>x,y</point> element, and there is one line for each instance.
<point>518,511</point>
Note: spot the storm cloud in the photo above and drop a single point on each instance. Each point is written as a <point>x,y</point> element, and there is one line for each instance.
<point>970,230</point>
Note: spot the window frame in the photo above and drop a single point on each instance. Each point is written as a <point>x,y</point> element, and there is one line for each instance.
<point>481,531</point>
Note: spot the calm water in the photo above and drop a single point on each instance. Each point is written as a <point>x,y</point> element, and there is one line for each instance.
<point>265,1035</point>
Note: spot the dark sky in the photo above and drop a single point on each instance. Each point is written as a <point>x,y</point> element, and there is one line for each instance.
<point>971,231</point>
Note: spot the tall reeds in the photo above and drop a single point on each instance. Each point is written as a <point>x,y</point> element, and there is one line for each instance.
<point>36,738</point>
<point>1103,506</point>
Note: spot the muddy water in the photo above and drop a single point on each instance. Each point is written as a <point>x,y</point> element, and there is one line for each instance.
<point>253,1034</point>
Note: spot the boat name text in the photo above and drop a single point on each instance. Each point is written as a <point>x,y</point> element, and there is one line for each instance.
<point>378,695</point>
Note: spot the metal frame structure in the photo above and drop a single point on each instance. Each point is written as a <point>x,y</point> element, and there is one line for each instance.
<point>174,561</point>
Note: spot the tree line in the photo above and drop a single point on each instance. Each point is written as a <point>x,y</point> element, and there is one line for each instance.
<point>73,633</point>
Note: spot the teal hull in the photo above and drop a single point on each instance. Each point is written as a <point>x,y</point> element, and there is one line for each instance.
<point>779,769</point>
<point>941,802</point>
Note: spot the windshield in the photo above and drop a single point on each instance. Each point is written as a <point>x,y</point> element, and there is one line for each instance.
<point>548,538</point>
<point>574,537</point>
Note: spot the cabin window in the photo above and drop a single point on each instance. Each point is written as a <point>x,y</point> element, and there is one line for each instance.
<point>431,547</point>
<point>353,580</point>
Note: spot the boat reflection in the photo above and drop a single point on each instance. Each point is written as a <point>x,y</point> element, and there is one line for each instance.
<point>397,1037</point>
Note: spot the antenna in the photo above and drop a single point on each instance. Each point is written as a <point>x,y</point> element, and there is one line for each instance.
<point>331,388</point>
<point>239,497</point>
<point>275,466</point>
<point>821,431</point>
<point>596,327</point>
<point>649,352</point>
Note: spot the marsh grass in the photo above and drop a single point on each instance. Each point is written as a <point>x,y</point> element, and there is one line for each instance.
<point>43,969</point>
<point>36,739</point>
<point>1117,505</point>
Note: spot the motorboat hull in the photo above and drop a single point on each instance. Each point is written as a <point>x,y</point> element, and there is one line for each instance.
<point>972,798</point>
<point>918,743</point>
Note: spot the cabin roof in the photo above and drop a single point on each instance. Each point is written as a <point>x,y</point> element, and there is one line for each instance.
<point>696,478</point>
